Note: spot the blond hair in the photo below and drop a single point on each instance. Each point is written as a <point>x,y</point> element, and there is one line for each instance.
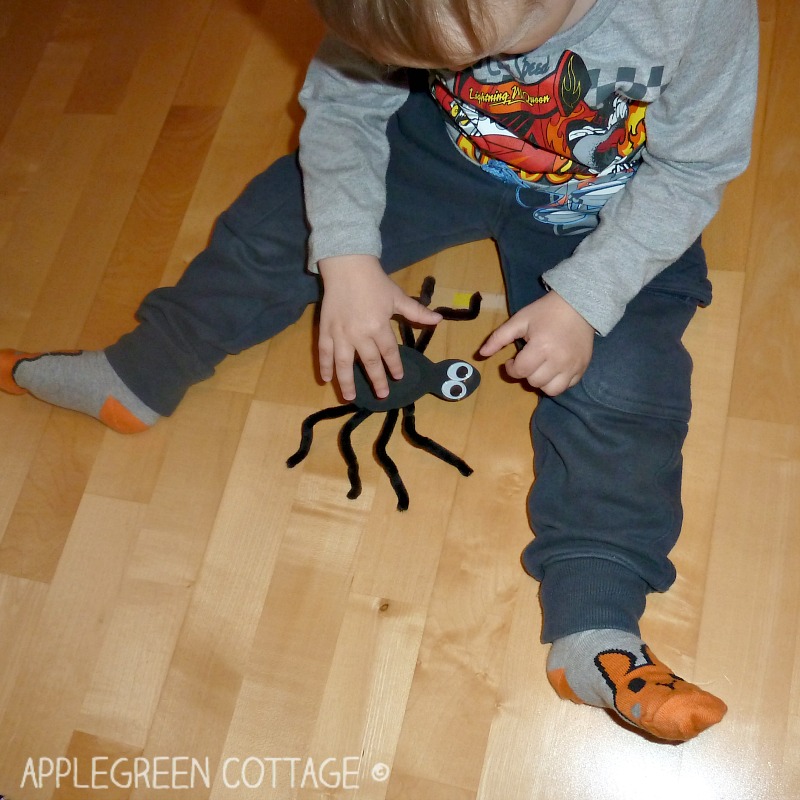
<point>414,30</point>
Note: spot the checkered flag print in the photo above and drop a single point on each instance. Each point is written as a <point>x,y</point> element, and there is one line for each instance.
<point>627,82</point>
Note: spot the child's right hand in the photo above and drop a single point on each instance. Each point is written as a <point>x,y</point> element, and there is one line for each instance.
<point>357,305</point>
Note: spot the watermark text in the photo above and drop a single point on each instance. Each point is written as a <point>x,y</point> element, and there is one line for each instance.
<point>171,773</point>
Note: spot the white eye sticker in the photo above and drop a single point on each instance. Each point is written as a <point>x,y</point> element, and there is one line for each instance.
<point>460,371</point>
<point>455,388</point>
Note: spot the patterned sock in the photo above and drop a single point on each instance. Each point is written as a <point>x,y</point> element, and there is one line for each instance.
<point>617,670</point>
<point>82,381</point>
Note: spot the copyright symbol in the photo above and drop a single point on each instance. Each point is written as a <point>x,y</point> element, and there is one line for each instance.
<point>381,772</point>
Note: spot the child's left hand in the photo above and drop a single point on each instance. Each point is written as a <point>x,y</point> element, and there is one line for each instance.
<point>559,343</point>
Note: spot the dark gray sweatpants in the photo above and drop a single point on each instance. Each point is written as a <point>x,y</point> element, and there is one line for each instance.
<point>605,507</point>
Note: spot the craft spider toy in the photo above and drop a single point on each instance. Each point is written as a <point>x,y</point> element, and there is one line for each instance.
<point>449,380</point>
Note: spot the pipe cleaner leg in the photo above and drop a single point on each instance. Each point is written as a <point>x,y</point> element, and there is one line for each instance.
<point>385,460</point>
<point>428,445</point>
<point>346,446</point>
<point>463,314</point>
<point>307,430</point>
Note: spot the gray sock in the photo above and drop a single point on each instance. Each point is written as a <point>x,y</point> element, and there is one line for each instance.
<point>575,654</point>
<point>86,382</point>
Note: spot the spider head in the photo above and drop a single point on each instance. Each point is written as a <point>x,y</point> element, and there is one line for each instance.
<point>457,380</point>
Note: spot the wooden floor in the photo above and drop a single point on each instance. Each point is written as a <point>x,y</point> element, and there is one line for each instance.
<point>182,595</point>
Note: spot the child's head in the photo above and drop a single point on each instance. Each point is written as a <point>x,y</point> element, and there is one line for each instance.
<point>443,33</point>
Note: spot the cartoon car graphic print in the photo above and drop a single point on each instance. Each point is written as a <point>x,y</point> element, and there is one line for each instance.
<point>545,135</point>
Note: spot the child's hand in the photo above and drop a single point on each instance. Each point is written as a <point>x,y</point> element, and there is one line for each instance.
<point>357,305</point>
<point>559,343</point>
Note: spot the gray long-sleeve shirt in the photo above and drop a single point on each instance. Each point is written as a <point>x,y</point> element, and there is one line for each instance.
<point>636,117</point>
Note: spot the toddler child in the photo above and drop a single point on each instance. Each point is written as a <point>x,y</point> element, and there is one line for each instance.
<point>591,139</point>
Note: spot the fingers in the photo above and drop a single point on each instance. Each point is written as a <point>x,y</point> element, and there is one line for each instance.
<point>416,312</point>
<point>501,337</point>
<point>325,348</point>
<point>375,354</point>
<point>390,353</point>
<point>559,343</point>
<point>551,377</point>
<point>551,382</point>
<point>347,335</point>
<point>543,368</point>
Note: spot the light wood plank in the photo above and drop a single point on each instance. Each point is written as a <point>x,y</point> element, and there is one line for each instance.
<point>85,749</point>
<point>304,611</point>
<point>29,138</point>
<point>152,224</point>
<point>21,428</point>
<point>68,637</point>
<point>767,379</point>
<point>21,604</point>
<point>207,669</point>
<point>41,222</point>
<point>82,258</point>
<point>28,28</point>
<point>671,619</point>
<point>120,37</point>
<point>133,662</point>
<point>367,689</point>
<point>752,588</point>
<point>40,524</point>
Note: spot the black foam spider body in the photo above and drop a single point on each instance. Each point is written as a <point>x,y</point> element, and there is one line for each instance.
<point>450,380</point>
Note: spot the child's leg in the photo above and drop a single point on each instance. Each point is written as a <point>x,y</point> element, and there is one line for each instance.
<point>251,282</point>
<point>606,506</point>
<point>606,510</point>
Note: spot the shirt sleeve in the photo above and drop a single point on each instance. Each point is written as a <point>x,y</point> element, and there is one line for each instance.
<point>698,138</point>
<point>344,152</point>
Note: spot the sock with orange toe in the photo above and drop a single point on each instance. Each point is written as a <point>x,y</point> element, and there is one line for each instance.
<point>82,381</point>
<point>617,670</point>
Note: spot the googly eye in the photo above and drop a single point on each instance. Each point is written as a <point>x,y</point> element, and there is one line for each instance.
<point>453,390</point>
<point>460,371</point>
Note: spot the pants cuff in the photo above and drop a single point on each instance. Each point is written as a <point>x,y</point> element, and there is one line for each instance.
<point>153,369</point>
<point>581,594</point>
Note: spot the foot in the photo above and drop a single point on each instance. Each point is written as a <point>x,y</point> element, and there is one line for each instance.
<point>617,670</point>
<point>81,380</point>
